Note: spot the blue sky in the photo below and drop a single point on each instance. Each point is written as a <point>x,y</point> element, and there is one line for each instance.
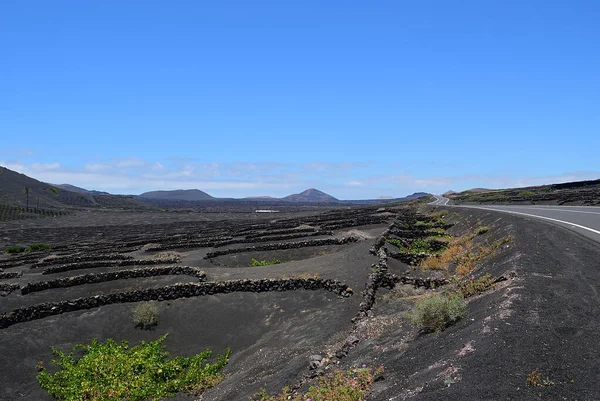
<point>358,99</point>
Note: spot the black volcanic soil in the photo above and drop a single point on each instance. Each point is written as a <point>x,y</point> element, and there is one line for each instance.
<point>545,316</point>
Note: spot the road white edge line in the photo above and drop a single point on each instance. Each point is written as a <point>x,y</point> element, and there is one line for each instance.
<point>558,210</point>
<point>540,217</point>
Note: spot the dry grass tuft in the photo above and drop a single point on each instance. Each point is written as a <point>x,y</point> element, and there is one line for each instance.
<point>305,275</point>
<point>168,257</point>
<point>434,263</point>
<point>145,314</point>
<point>463,253</point>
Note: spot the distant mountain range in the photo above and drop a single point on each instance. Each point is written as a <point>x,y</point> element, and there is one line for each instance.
<point>193,195</point>
<point>45,195</point>
<point>178,194</point>
<point>73,188</point>
<point>19,189</point>
<point>311,195</point>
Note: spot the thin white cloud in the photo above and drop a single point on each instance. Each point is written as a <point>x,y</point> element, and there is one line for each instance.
<point>97,167</point>
<point>132,162</point>
<point>354,183</point>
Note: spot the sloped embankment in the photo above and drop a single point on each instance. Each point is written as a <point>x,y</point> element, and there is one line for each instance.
<point>542,318</point>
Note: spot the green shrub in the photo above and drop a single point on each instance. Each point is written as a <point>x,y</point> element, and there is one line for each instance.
<point>395,242</point>
<point>471,286</point>
<point>145,314</point>
<point>12,250</point>
<point>256,262</point>
<point>38,247</point>
<point>350,385</point>
<point>534,379</point>
<point>438,311</point>
<point>419,245</point>
<point>482,230</point>
<point>112,371</point>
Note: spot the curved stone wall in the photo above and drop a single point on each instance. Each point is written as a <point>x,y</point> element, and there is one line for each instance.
<point>176,291</point>
<point>283,245</point>
<point>107,263</point>
<point>111,276</point>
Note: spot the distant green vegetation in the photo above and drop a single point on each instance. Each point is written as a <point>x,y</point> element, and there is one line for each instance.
<point>506,195</point>
<point>12,250</point>
<point>11,212</point>
<point>482,230</point>
<point>339,385</point>
<point>256,262</point>
<point>472,286</point>
<point>112,371</point>
<point>421,223</point>
<point>420,245</point>
<point>38,247</point>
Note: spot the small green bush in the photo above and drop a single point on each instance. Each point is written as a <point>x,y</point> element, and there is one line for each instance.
<point>13,250</point>
<point>256,262</point>
<point>471,286</point>
<point>438,311</point>
<point>145,314</point>
<point>38,247</point>
<point>112,371</point>
<point>350,385</point>
<point>418,246</point>
<point>534,379</point>
<point>395,242</point>
<point>482,230</point>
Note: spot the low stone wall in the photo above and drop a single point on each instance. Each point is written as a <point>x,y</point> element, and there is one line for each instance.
<point>78,259</point>
<point>9,275</point>
<point>409,233</point>
<point>107,263</point>
<point>363,221</point>
<point>7,288</point>
<point>186,290</point>
<point>283,245</point>
<point>111,276</point>
<point>182,245</point>
<point>7,264</point>
<point>379,243</point>
<point>272,238</point>
<point>390,281</point>
<point>411,259</point>
<point>280,232</point>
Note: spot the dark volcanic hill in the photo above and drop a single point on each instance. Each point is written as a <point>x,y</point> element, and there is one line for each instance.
<point>567,193</point>
<point>179,195</point>
<point>79,190</point>
<point>416,195</point>
<point>44,195</point>
<point>310,195</point>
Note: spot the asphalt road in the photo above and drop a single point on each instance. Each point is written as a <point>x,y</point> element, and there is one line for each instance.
<point>584,220</point>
